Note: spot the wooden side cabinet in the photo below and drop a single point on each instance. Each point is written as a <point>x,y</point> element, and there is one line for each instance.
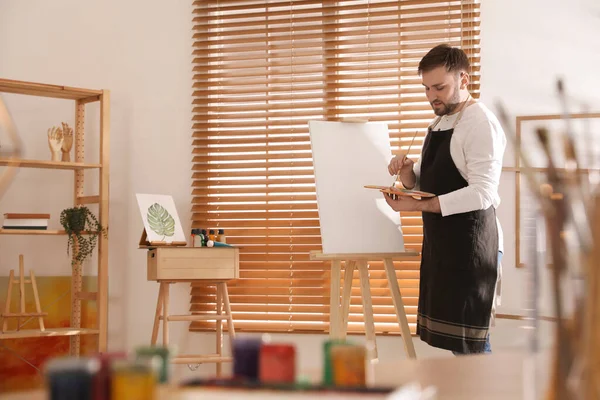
<point>214,266</point>
<point>193,263</point>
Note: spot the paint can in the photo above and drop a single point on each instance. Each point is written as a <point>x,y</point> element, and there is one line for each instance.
<point>327,365</point>
<point>349,365</point>
<point>134,380</point>
<point>246,353</point>
<point>163,353</point>
<point>71,378</point>
<point>102,379</point>
<point>277,363</point>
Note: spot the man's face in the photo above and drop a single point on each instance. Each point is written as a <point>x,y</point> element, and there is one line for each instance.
<point>442,89</point>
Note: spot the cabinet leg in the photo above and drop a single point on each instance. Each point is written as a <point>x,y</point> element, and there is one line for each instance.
<point>230,327</point>
<point>219,328</point>
<point>159,305</point>
<point>166,313</point>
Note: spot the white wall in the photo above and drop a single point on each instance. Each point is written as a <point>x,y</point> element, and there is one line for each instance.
<point>526,46</point>
<point>141,51</point>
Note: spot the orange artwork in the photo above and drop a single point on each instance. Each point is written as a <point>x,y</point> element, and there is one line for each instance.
<point>22,360</point>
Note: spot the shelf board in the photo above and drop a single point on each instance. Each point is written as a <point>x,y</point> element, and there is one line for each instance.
<point>46,164</point>
<point>31,232</point>
<point>35,232</point>
<point>34,333</point>
<point>44,90</point>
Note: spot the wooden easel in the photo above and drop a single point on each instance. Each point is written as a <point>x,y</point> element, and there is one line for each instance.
<point>338,316</point>
<point>22,313</point>
<point>145,243</point>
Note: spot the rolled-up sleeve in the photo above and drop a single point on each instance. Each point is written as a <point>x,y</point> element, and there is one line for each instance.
<point>483,149</point>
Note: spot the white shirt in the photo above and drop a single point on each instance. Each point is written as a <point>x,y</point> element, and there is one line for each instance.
<point>477,148</point>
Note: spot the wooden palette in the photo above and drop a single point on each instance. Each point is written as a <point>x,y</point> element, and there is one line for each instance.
<point>400,192</point>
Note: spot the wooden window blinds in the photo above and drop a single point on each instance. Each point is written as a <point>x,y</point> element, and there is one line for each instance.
<point>262,70</point>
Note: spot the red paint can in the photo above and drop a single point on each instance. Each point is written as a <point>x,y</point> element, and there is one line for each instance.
<point>277,363</point>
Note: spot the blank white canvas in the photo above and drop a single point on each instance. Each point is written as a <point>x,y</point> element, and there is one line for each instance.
<point>346,157</point>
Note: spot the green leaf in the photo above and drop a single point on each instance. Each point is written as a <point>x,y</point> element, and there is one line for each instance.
<point>160,220</point>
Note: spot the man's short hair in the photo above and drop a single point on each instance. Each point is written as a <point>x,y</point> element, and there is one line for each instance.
<point>454,59</point>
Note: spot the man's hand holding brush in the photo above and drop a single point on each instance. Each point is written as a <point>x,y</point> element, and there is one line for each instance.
<point>402,167</point>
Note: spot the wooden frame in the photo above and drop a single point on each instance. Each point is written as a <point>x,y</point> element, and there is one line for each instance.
<point>518,169</point>
<point>81,98</point>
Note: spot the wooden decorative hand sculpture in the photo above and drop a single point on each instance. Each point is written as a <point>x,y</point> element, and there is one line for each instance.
<point>67,142</point>
<point>55,142</point>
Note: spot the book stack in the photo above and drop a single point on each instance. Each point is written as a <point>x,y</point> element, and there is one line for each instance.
<point>26,221</point>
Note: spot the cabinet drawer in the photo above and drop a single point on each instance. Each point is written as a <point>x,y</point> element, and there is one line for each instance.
<point>189,263</point>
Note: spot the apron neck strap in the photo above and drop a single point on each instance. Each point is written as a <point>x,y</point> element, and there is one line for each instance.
<point>462,110</point>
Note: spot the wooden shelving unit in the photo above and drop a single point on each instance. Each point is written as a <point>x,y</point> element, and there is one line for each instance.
<point>81,97</point>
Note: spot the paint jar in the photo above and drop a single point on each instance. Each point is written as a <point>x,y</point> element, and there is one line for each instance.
<point>211,235</point>
<point>71,378</point>
<point>204,237</point>
<point>246,353</point>
<point>327,365</point>
<point>277,363</point>
<point>163,353</point>
<point>349,365</point>
<point>102,379</point>
<point>135,380</point>
<point>197,238</point>
<point>222,238</point>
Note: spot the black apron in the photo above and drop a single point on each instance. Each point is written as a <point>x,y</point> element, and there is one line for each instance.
<point>459,264</point>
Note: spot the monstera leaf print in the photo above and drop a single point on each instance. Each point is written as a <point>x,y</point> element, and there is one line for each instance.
<point>160,220</point>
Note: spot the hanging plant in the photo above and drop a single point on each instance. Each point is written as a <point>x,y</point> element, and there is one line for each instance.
<point>82,228</point>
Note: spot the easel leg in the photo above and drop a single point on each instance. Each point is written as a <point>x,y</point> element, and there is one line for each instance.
<point>346,294</point>
<point>38,307</point>
<point>219,326</point>
<point>159,305</point>
<point>334,311</point>
<point>399,306</point>
<point>365,289</point>
<point>166,314</point>
<point>21,289</point>
<point>11,277</point>
<point>230,328</point>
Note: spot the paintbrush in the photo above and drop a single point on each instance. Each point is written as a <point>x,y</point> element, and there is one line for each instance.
<point>578,204</point>
<point>556,224</point>
<point>405,157</point>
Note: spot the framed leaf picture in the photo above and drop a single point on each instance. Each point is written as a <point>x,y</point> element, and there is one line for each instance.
<point>160,217</point>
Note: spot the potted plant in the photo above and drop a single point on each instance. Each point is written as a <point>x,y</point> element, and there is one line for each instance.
<point>82,228</point>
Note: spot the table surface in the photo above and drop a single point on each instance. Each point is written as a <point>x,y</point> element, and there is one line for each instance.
<point>490,377</point>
